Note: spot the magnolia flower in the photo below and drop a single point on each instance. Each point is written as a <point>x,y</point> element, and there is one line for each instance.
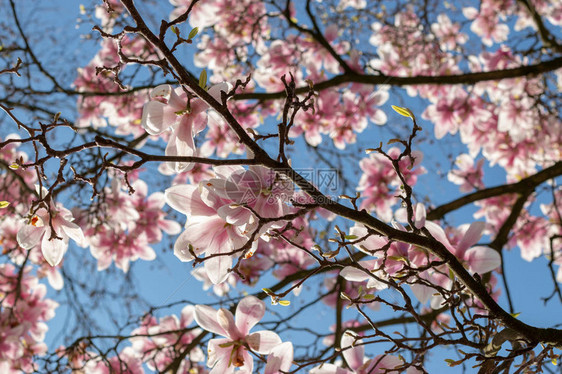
<point>353,352</point>
<point>479,259</point>
<point>53,229</point>
<point>231,352</point>
<point>170,108</point>
<point>206,231</point>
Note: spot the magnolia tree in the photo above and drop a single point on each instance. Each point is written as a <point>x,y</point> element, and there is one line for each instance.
<point>351,182</point>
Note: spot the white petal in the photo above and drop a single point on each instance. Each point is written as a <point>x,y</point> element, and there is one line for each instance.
<point>482,259</point>
<point>29,236</point>
<point>53,250</point>
<point>353,274</point>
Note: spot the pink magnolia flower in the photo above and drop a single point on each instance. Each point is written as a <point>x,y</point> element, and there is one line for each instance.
<point>158,342</point>
<point>127,362</point>
<point>170,108</point>
<point>208,229</point>
<point>353,352</point>
<point>151,219</point>
<point>232,351</point>
<point>53,230</point>
<point>448,32</point>
<point>486,25</point>
<point>468,175</point>
<point>479,259</point>
<point>24,311</point>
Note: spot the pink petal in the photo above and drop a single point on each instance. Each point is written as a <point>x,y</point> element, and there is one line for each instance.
<point>226,320</point>
<point>217,268</point>
<point>263,341</point>
<point>236,215</point>
<point>439,234</point>
<point>280,358</point>
<point>55,279</point>
<point>219,357</point>
<point>472,236</point>
<point>161,91</point>
<point>215,91</point>
<point>184,137</point>
<point>187,315</point>
<point>206,317</point>
<point>420,214</point>
<point>186,199</point>
<point>482,259</point>
<point>146,253</point>
<point>182,246</point>
<point>387,362</point>
<point>169,227</point>
<point>249,312</point>
<point>421,292</point>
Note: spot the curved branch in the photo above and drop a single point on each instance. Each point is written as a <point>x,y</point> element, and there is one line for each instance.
<point>468,78</point>
<point>521,187</point>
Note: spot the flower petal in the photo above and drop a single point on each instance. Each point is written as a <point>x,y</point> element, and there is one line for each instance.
<point>29,236</point>
<point>249,312</point>
<point>226,320</point>
<point>73,231</point>
<point>353,350</point>
<point>280,358</point>
<point>353,274</point>
<point>157,117</point>
<point>471,236</point>
<point>218,267</point>
<point>53,250</point>
<point>482,259</point>
<point>263,341</point>
<point>186,199</point>
<point>206,317</point>
<point>215,91</point>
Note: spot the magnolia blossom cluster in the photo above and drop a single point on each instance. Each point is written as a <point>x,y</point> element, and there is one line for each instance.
<point>127,225</point>
<point>227,214</point>
<point>9,153</point>
<point>156,344</point>
<point>379,180</point>
<point>50,228</point>
<point>353,352</point>
<point>340,115</point>
<point>468,175</point>
<point>24,311</point>
<point>232,351</point>
<point>121,111</point>
<point>394,258</point>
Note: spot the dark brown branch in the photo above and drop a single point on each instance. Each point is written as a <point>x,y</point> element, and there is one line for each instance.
<point>521,187</point>
<point>468,78</point>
